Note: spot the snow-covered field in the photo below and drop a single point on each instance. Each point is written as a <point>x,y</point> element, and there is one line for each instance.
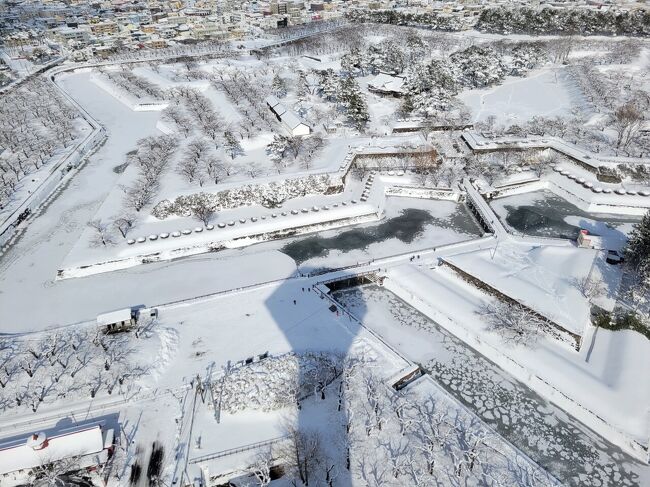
<point>249,361</point>
<point>546,93</point>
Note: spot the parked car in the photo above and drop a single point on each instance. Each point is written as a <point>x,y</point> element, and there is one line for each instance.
<point>614,257</point>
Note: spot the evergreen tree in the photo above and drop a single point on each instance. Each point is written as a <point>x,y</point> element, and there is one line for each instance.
<point>231,144</point>
<point>279,87</point>
<point>387,56</point>
<point>352,100</point>
<point>303,86</point>
<point>328,85</point>
<point>429,87</point>
<point>637,251</point>
<point>353,61</point>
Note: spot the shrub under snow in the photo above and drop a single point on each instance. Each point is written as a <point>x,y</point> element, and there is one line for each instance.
<point>269,195</point>
<point>276,382</point>
<point>477,67</point>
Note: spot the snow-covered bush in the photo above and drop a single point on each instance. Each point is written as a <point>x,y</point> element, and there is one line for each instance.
<point>476,67</point>
<point>269,195</point>
<point>277,382</point>
<point>526,56</point>
<point>549,20</point>
<point>430,19</point>
<point>430,86</point>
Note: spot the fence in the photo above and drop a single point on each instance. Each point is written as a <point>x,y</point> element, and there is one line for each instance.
<point>240,449</point>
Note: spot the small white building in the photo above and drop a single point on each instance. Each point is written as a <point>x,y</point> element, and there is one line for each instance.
<point>386,84</point>
<point>587,241</point>
<point>87,447</point>
<point>289,120</point>
<point>115,321</point>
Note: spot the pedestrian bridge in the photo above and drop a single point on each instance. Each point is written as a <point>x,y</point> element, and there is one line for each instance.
<point>483,212</point>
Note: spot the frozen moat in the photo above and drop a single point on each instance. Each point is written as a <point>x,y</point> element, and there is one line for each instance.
<point>545,214</point>
<point>410,225</point>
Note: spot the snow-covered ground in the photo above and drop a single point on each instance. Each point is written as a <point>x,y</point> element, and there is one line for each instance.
<point>208,340</point>
<point>245,348</point>
<point>545,93</point>
<point>542,277</point>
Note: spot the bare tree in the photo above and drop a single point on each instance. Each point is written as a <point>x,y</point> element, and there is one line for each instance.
<point>537,164</point>
<point>514,322</point>
<point>174,114</point>
<point>190,169</point>
<point>560,48</point>
<point>360,169</point>
<point>426,165</point>
<point>55,473</point>
<point>262,468</point>
<point>102,234</point>
<point>590,287</point>
<point>118,350</point>
<point>627,122</point>
<point>124,223</point>
<point>203,211</point>
<point>373,470</point>
<point>253,170</point>
<point>140,194</point>
<point>215,169</point>
<point>397,452</point>
<point>303,452</point>
<point>196,149</point>
<point>331,471</point>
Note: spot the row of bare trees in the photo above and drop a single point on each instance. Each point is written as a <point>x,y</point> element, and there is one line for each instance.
<point>35,123</point>
<point>138,86</point>
<point>247,90</point>
<point>619,95</point>
<point>152,158</point>
<point>67,363</point>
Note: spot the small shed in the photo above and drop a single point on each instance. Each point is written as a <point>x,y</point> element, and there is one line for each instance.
<point>289,120</point>
<point>294,124</point>
<point>587,241</point>
<point>116,321</point>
